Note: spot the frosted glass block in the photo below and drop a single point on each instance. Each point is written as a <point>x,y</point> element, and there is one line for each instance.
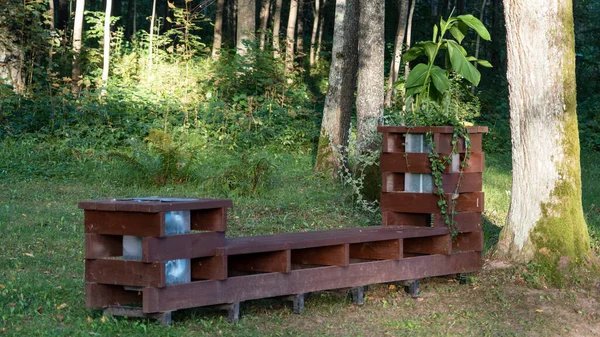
<point>132,247</point>
<point>412,182</point>
<point>414,142</point>
<point>426,183</point>
<point>178,271</point>
<point>177,222</point>
<point>455,162</point>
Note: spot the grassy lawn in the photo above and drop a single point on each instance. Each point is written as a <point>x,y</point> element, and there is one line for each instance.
<point>42,257</point>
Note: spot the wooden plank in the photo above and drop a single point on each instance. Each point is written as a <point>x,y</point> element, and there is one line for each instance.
<point>129,273</point>
<point>430,245</point>
<point>133,205</point>
<point>212,219</point>
<point>407,202</point>
<point>103,295</point>
<point>406,219</point>
<point>443,143</point>
<point>181,246</point>
<point>434,129</point>
<point>393,142</point>
<point>405,162</point>
<point>475,163</point>
<point>325,256</point>
<point>99,246</point>
<point>470,202</point>
<point>467,182</point>
<point>235,289</point>
<point>124,223</point>
<point>465,242</point>
<point>269,262</point>
<point>465,221</point>
<point>392,182</point>
<point>210,267</point>
<point>379,250</point>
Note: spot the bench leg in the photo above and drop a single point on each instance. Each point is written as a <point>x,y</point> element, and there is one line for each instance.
<point>165,318</point>
<point>412,288</point>
<point>233,311</point>
<point>298,303</point>
<point>358,295</point>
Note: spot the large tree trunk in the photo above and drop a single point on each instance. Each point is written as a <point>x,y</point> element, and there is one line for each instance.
<point>397,59</point>
<point>106,56</point>
<point>77,33</point>
<point>218,32</point>
<point>313,34</point>
<point>545,221</point>
<point>11,61</point>
<point>246,24</point>
<point>340,93</point>
<point>289,40</point>
<point>264,22</point>
<point>276,27</point>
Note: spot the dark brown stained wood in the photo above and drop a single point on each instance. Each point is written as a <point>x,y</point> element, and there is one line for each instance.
<point>465,221</point>
<point>433,129</point>
<point>131,205</point>
<point>431,245</point>
<point>466,242</point>
<point>392,182</point>
<point>427,202</point>
<point>269,262</point>
<point>265,243</point>
<point>405,162</point>
<point>103,295</point>
<point>213,219</point>
<point>99,246</point>
<point>325,256</point>
<point>467,182</point>
<point>406,219</point>
<point>124,223</point>
<point>210,267</point>
<point>443,143</point>
<point>203,293</point>
<point>393,142</point>
<point>129,273</point>
<point>380,250</point>
<point>475,163</point>
<point>181,246</point>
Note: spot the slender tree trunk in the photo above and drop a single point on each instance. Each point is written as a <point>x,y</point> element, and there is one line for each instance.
<point>264,22</point>
<point>77,33</point>
<point>218,32</point>
<point>397,58</point>
<point>300,29</point>
<point>409,34</point>
<point>321,28</point>
<point>106,57</point>
<point>478,40</point>
<point>545,221</point>
<point>246,24</point>
<point>276,27</point>
<point>51,28</point>
<point>63,14</point>
<point>289,40</point>
<point>134,16</point>
<point>151,39</point>
<point>340,93</point>
<point>313,34</point>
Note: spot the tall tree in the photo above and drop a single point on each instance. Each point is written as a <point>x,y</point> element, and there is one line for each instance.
<point>397,58</point>
<point>63,14</point>
<point>545,221</point>
<point>313,34</point>
<point>246,24</point>
<point>409,23</point>
<point>77,33</point>
<point>218,30</point>
<point>151,38</point>
<point>340,93</point>
<point>276,27</point>
<point>300,29</point>
<point>321,28</point>
<point>106,55</point>
<point>290,34</point>
<point>264,22</point>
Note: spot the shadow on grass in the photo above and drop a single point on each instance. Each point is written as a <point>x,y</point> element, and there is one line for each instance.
<point>491,233</point>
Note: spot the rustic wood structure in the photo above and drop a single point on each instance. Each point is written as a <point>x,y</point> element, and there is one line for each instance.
<point>413,243</point>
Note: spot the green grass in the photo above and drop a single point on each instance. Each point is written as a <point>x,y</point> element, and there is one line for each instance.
<point>42,255</point>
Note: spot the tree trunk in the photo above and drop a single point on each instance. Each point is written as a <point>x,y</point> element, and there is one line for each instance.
<point>300,29</point>
<point>63,14</point>
<point>321,28</point>
<point>340,93</point>
<point>134,16</point>
<point>106,57</point>
<point>77,33</point>
<point>409,34</point>
<point>264,22</point>
<point>276,27</point>
<point>478,40</point>
<point>313,34</point>
<point>545,221</point>
<point>218,31</point>
<point>151,38</point>
<point>11,70</point>
<point>397,59</point>
<point>246,24</point>
<point>289,39</point>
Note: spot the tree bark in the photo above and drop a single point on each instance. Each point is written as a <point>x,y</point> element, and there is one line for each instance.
<point>246,24</point>
<point>289,40</point>
<point>545,221</point>
<point>313,34</point>
<point>397,58</point>
<point>77,33</point>
<point>340,93</point>
<point>300,29</point>
<point>276,27</point>
<point>63,14</point>
<point>151,38</point>
<point>218,31</point>
<point>478,40</point>
<point>106,56</point>
<point>409,34</point>
<point>321,28</point>
<point>11,70</point>
<point>264,22</point>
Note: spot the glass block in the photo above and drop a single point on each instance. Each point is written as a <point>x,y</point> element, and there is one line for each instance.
<point>426,183</point>
<point>455,162</point>
<point>414,142</point>
<point>132,247</point>
<point>178,271</point>
<point>418,183</point>
<point>177,222</point>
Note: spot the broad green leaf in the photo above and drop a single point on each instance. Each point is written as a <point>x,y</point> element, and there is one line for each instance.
<point>457,46</point>
<point>430,49</point>
<point>416,79</point>
<point>435,32</point>
<point>471,58</point>
<point>461,65</point>
<point>412,53</point>
<point>474,23</point>
<point>457,34</point>
<point>485,63</point>
<point>439,79</point>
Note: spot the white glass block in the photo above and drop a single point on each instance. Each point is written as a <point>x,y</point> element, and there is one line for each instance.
<point>132,247</point>
<point>178,271</point>
<point>418,183</point>
<point>177,222</point>
<point>414,142</point>
<point>455,162</point>
<point>426,183</point>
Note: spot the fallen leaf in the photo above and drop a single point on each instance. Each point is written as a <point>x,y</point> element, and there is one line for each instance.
<point>59,317</point>
<point>392,287</point>
<point>89,319</point>
<point>61,306</point>
<point>539,310</point>
<point>420,299</point>
<point>2,286</point>
<point>59,287</point>
<point>29,254</point>
<point>40,310</point>
<point>12,304</point>
<point>103,319</point>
